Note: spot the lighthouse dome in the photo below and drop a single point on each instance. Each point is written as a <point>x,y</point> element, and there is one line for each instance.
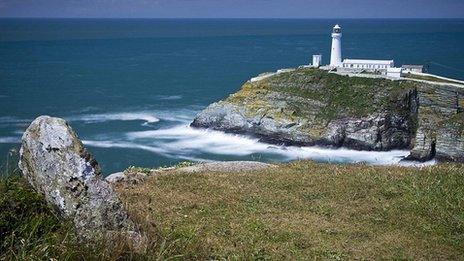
<point>337,29</point>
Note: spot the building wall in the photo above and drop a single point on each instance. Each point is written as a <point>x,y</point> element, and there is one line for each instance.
<point>317,59</point>
<point>417,70</point>
<point>336,52</point>
<point>366,66</point>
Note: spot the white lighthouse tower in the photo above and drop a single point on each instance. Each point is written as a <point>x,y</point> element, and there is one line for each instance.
<point>336,53</point>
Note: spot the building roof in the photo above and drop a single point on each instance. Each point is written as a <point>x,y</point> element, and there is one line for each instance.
<point>363,61</point>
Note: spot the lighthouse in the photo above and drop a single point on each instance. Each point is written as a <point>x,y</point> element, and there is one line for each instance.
<point>336,53</point>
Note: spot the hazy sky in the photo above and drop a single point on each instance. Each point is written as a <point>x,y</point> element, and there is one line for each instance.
<point>234,8</point>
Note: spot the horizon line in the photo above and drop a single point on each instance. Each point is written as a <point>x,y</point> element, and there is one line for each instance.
<point>234,18</point>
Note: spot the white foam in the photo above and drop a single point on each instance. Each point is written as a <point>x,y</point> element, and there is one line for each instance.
<point>12,120</point>
<point>10,140</point>
<point>168,97</point>
<point>183,141</point>
<point>123,116</point>
<point>178,115</point>
<point>121,144</point>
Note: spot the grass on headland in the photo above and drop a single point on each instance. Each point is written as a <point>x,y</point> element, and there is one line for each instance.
<point>301,210</point>
<point>340,96</point>
<point>429,78</point>
<point>307,210</point>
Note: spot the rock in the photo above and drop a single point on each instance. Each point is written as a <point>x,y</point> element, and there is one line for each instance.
<point>310,107</point>
<point>126,177</point>
<point>226,166</point>
<point>440,131</point>
<point>56,164</point>
<point>116,177</point>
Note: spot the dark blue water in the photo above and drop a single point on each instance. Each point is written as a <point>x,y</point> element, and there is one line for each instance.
<point>130,87</point>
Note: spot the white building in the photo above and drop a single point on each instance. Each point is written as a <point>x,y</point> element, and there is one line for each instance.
<point>355,64</point>
<point>385,67</point>
<point>336,52</point>
<point>395,72</point>
<point>317,59</point>
<point>369,65</point>
<point>412,68</point>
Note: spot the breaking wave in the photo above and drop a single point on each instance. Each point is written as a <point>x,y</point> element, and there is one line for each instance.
<point>123,116</point>
<point>168,97</point>
<point>182,141</point>
<point>181,115</point>
<point>10,140</point>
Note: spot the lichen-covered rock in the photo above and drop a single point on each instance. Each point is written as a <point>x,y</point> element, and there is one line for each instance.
<point>314,107</point>
<point>56,164</point>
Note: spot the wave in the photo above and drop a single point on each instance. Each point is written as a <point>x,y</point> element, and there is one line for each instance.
<point>168,97</point>
<point>182,141</point>
<point>10,119</point>
<point>123,116</point>
<point>10,140</point>
<point>149,117</point>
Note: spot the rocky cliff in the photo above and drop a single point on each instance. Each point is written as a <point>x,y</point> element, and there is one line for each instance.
<point>309,106</point>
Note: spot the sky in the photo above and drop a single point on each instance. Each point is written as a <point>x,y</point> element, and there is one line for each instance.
<point>233,8</point>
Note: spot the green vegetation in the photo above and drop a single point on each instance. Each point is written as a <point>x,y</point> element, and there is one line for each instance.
<point>28,228</point>
<point>456,122</point>
<point>306,210</point>
<point>353,96</point>
<point>429,78</point>
<point>298,210</point>
<point>339,95</point>
<point>31,230</point>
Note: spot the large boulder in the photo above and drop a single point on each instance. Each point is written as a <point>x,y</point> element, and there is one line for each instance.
<point>56,164</point>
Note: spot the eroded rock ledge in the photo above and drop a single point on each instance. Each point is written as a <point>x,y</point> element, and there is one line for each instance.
<point>309,106</point>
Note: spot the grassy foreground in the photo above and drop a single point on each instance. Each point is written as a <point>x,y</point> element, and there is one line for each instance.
<point>305,210</point>
<point>301,210</point>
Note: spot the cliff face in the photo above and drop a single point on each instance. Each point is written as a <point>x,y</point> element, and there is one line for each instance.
<point>440,119</point>
<point>314,107</point>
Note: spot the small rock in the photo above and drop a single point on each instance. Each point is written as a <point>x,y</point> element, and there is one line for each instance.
<point>126,177</point>
<point>56,164</point>
<point>116,177</point>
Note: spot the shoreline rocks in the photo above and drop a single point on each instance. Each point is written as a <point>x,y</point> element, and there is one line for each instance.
<point>56,164</point>
<point>308,107</point>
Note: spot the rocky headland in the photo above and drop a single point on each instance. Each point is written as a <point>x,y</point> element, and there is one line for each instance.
<point>309,106</point>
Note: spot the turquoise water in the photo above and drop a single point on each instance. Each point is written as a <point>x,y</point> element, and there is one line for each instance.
<point>130,87</point>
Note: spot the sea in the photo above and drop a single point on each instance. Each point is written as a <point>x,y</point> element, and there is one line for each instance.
<point>131,87</point>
